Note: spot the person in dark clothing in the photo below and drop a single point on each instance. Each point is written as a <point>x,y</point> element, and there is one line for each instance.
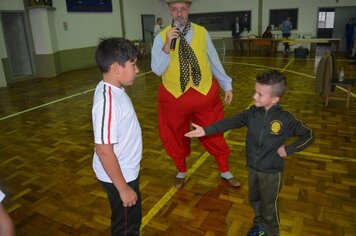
<point>349,34</point>
<point>267,50</point>
<point>236,29</point>
<point>267,33</point>
<point>268,128</point>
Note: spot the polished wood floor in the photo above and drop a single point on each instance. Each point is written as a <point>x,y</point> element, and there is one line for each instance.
<point>46,148</point>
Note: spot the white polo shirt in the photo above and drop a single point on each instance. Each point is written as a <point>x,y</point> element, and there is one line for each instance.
<point>2,196</point>
<point>115,122</point>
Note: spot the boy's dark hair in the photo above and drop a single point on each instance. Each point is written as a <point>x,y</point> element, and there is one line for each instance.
<point>111,50</point>
<point>274,78</point>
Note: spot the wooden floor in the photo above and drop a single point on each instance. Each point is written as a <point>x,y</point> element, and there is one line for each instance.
<point>46,148</point>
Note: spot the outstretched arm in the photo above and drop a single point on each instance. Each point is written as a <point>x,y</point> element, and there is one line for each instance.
<point>198,132</point>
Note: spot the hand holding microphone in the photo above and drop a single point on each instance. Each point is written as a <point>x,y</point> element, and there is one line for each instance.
<point>175,24</point>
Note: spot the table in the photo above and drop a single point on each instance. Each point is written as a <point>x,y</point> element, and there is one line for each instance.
<point>273,43</point>
<point>251,42</point>
<point>332,41</point>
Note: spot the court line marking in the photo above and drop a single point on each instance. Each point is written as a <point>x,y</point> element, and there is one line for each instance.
<point>55,101</point>
<point>158,206</point>
<point>290,62</point>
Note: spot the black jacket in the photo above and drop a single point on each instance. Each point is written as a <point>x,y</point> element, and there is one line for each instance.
<point>266,132</point>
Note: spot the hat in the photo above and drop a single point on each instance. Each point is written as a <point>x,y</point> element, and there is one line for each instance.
<point>176,1</point>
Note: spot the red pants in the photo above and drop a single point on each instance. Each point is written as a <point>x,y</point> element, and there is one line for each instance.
<point>175,115</point>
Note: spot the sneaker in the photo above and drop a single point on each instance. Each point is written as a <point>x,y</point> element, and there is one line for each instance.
<point>178,182</point>
<point>256,231</point>
<point>233,182</point>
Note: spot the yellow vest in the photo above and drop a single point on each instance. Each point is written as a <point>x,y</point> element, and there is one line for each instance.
<point>170,78</point>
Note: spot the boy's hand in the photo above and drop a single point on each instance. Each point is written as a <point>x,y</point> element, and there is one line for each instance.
<point>128,196</point>
<point>198,132</point>
<point>282,151</point>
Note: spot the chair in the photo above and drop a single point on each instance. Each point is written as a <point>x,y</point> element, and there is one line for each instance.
<point>346,83</point>
<point>327,80</point>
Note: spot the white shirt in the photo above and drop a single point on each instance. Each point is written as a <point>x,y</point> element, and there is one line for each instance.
<point>237,28</point>
<point>156,30</point>
<point>115,122</point>
<point>2,196</point>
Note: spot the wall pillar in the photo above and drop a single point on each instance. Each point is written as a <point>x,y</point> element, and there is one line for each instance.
<point>41,19</point>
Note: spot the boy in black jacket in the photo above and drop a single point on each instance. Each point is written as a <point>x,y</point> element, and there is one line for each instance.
<point>268,129</point>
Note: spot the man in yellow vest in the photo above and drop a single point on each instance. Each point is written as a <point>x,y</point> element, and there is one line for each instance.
<point>184,55</point>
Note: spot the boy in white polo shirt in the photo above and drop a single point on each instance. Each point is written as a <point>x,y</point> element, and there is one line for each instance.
<point>117,134</point>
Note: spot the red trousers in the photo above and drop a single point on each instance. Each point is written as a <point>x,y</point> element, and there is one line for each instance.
<point>175,116</point>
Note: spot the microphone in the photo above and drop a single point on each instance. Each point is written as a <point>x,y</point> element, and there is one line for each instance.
<point>175,24</point>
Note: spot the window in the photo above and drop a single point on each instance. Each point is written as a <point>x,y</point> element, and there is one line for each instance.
<point>221,21</point>
<point>89,5</point>
<point>326,19</point>
<point>276,17</point>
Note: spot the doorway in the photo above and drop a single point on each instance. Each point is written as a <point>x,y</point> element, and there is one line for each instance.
<point>148,22</point>
<point>17,45</point>
<point>326,18</point>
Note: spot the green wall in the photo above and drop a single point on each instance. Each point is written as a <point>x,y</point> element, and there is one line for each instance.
<point>50,65</point>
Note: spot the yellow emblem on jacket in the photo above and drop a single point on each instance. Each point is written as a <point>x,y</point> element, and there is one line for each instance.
<point>276,126</point>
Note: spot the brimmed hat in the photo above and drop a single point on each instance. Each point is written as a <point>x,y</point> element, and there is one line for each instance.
<point>176,1</point>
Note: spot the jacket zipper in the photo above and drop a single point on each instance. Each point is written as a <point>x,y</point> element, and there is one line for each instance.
<point>260,138</point>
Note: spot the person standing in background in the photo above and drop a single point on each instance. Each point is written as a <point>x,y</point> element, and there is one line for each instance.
<point>158,27</point>
<point>191,73</point>
<point>236,30</point>
<point>349,34</point>
<point>286,27</point>
<point>354,47</point>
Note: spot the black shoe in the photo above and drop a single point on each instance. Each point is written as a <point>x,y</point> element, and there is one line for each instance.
<point>178,182</point>
<point>256,231</point>
<point>233,182</point>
